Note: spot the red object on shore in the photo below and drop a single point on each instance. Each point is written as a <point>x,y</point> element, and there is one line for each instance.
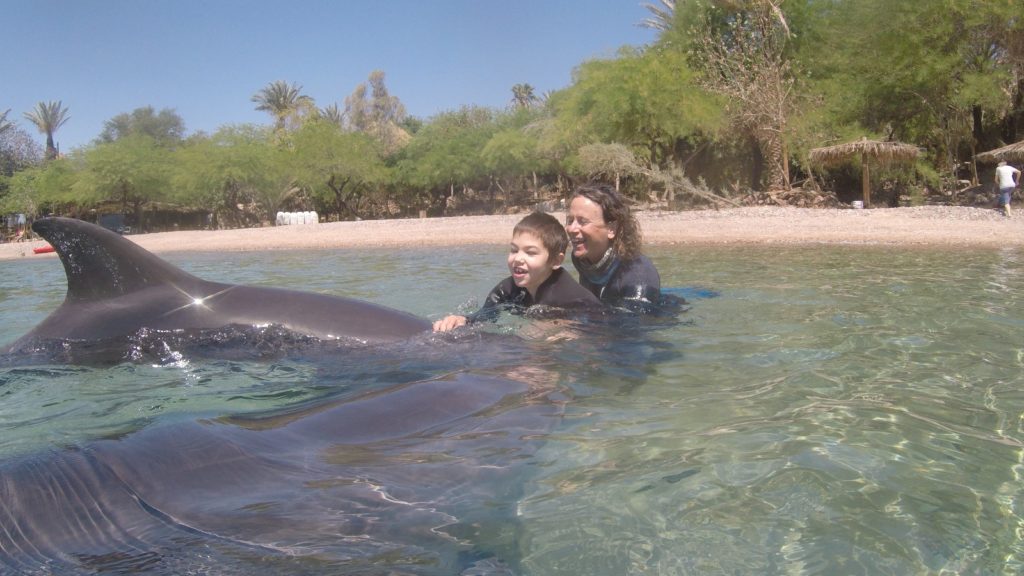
<point>43,249</point>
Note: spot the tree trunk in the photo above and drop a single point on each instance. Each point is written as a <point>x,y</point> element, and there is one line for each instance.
<point>773,152</point>
<point>757,166</point>
<point>1012,121</point>
<point>866,178</point>
<point>974,163</point>
<point>977,117</point>
<point>139,215</point>
<point>51,149</point>
<point>339,199</point>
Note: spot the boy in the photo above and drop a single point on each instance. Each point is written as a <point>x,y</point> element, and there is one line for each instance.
<point>535,260</point>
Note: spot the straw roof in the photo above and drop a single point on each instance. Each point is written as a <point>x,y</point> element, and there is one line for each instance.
<point>1009,153</point>
<point>868,152</point>
<point>882,153</point>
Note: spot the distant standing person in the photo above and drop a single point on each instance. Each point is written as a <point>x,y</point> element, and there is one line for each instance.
<point>606,240</point>
<point>1007,179</point>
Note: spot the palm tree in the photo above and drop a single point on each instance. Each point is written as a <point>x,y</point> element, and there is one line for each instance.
<point>662,15</point>
<point>523,96</point>
<point>4,124</point>
<point>333,114</point>
<point>282,101</point>
<point>48,117</point>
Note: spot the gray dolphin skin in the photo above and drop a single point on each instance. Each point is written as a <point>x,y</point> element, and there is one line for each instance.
<point>116,288</point>
<point>398,480</point>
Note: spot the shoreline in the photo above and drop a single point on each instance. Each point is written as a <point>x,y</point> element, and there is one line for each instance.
<point>934,226</point>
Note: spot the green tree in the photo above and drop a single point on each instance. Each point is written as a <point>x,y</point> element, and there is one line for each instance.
<point>43,185</point>
<point>941,74</point>
<point>445,153</point>
<point>513,153</point>
<point>32,189</point>
<point>742,49</point>
<point>19,193</point>
<point>165,127</point>
<point>333,114</point>
<point>341,169</point>
<point>523,96</point>
<point>284,102</point>
<point>48,117</point>
<point>237,165</point>
<point>56,181</point>
<point>18,151</point>
<point>133,170</point>
<point>650,100</point>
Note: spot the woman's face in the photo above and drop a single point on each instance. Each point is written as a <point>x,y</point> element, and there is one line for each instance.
<point>590,234</point>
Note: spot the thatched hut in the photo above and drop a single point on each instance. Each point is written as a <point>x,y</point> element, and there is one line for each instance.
<point>882,153</point>
<point>1009,153</point>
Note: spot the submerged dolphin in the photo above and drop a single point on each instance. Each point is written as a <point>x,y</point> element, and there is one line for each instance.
<point>116,288</point>
<point>405,478</point>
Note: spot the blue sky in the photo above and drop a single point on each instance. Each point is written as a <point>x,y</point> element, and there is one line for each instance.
<point>206,59</point>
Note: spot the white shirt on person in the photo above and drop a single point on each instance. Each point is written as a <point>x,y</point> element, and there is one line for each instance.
<point>1004,176</point>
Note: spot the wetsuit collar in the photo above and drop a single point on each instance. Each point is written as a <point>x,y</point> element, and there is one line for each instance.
<point>600,273</point>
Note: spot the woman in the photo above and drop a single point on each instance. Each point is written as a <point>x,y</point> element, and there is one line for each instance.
<point>606,249</point>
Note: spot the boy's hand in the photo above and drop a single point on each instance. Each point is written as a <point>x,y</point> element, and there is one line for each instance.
<point>449,323</point>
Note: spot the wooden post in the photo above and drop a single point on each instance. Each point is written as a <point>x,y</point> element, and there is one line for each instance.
<point>866,176</point>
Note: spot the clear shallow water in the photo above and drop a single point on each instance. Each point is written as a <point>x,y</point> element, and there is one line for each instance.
<point>830,411</point>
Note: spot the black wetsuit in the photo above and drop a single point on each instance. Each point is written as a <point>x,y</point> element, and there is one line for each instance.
<point>559,291</point>
<point>634,283</point>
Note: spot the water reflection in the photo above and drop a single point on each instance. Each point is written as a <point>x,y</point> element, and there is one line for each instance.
<point>817,410</point>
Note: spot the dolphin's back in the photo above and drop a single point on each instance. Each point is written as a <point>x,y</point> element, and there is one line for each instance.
<point>116,287</point>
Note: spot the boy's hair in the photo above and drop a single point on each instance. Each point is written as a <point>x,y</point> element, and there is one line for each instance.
<point>548,229</point>
<point>616,215</point>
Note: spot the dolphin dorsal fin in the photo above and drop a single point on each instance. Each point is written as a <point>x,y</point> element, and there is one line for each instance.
<point>102,264</point>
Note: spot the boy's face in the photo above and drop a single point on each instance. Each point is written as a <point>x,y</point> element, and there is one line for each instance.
<point>530,262</point>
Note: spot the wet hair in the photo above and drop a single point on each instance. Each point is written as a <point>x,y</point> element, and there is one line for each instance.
<point>617,216</point>
<point>547,229</point>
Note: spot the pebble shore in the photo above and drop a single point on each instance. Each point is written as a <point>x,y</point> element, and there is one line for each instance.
<point>938,226</point>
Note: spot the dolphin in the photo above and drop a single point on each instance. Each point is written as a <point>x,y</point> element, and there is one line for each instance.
<point>407,477</point>
<point>116,288</point>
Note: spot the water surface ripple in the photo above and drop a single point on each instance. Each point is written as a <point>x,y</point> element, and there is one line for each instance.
<point>818,410</point>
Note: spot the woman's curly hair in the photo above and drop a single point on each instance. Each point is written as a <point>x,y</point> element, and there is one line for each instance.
<point>617,215</point>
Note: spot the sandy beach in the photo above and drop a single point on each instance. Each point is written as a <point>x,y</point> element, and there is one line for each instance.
<point>938,226</point>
